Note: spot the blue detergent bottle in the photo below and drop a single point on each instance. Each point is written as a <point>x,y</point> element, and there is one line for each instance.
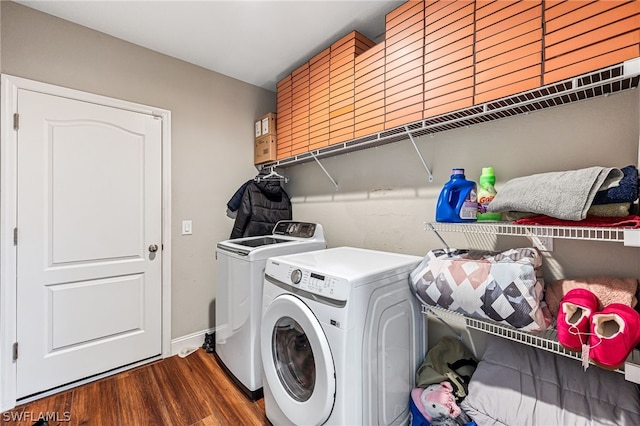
<point>458,200</point>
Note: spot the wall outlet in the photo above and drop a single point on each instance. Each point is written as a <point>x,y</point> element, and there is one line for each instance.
<point>542,243</point>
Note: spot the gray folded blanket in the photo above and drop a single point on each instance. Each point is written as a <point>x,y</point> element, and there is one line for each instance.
<point>564,195</point>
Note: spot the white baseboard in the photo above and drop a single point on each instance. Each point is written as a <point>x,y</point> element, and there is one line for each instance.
<point>193,340</point>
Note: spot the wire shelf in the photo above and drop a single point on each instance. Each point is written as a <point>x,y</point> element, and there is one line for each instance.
<point>616,78</point>
<point>545,340</point>
<point>565,232</point>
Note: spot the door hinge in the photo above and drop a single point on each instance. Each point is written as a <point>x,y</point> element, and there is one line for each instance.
<point>16,121</point>
<point>15,236</point>
<point>15,351</point>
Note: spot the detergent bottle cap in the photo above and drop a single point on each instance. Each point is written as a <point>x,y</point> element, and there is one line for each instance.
<point>457,171</point>
<point>487,171</point>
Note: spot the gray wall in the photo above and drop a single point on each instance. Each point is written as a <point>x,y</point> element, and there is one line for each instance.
<point>384,197</point>
<point>212,131</point>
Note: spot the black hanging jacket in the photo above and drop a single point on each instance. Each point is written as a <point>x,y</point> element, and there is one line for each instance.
<point>263,205</point>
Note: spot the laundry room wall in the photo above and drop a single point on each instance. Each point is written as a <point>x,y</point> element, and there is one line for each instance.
<point>212,132</point>
<point>384,197</point>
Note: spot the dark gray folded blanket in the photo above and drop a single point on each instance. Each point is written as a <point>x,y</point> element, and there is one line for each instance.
<point>625,192</point>
<point>564,195</point>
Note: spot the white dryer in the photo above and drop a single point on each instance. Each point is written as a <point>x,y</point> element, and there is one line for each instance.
<point>238,308</point>
<point>341,338</point>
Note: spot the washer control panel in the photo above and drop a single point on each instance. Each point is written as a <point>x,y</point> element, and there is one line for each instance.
<point>295,229</point>
<point>324,285</point>
<point>312,282</point>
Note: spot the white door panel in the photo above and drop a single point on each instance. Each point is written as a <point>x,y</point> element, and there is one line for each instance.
<point>89,207</point>
<point>112,162</point>
<point>82,311</point>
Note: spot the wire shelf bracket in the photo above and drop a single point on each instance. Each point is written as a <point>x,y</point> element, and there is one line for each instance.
<point>325,171</point>
<point>413,142</point>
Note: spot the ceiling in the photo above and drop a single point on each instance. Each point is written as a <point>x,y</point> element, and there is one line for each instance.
<point>256,41</point>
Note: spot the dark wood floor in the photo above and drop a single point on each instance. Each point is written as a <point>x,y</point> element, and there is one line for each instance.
<point>190,391</point>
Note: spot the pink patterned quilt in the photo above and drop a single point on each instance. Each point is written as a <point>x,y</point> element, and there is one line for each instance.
<point>505,287</point>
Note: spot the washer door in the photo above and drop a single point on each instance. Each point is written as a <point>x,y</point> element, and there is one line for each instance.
<point>297,361</point>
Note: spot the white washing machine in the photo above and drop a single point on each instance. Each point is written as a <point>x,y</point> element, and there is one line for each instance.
<point>341,337</point>
<point>240,277</point>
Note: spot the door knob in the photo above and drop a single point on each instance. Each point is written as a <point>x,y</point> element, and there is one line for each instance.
<point>153,248</point>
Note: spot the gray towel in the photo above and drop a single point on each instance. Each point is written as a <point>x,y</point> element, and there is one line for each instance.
<point>564,195</point>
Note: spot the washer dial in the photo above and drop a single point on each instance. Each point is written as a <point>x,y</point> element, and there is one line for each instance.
<point>296,276</point>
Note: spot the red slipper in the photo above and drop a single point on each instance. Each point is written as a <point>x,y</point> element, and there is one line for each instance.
<point>615,331</point>
<point>574,316</point>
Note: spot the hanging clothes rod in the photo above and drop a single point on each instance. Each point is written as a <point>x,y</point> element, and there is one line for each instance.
<point>272,174</point>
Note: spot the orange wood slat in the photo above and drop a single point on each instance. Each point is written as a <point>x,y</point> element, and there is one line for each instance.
<point>412,17</point>
<point>524,51</point>
<point>403,103</point>
<point>604,33</point>
<point>376,79</point>
<point>451,58</point>
<point>531,61</point>
<point>452,42</point>
<point>376,128</point>
<point>409,117</point>
<point>374,90</point>
<point>486,8</point>
<point>439,107</point>
<point>514,21</point>
<point>622,17</point>
<point>434,92</point>
<point>372,110</point>
<point>533,74</point>
<point>515,9</point>
<point>555,9</point>
<point>590,64</point>
<point>400,13</point>
<point>450,72</point>
<point>631,39</point>
<point>407,87</point>
<point>401,70</point>
<point>614,9</point>
<point>452,16</point>
<point>510,44</point>
<point>528,26</point>
<point>508,90</point>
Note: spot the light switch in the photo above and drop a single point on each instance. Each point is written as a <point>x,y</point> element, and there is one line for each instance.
<point>186,227</point>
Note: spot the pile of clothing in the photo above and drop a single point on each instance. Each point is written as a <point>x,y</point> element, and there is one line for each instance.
<point>442,382</point>
<point>594,196</point>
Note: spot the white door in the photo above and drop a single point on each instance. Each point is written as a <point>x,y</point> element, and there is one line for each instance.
<point>89,181</point>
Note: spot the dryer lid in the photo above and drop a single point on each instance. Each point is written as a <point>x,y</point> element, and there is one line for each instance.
<point>261,241</point>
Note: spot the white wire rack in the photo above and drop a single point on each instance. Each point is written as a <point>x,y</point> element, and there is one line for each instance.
<point>545,340</point>
<point>623,235</point>
<point>603,82</point>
